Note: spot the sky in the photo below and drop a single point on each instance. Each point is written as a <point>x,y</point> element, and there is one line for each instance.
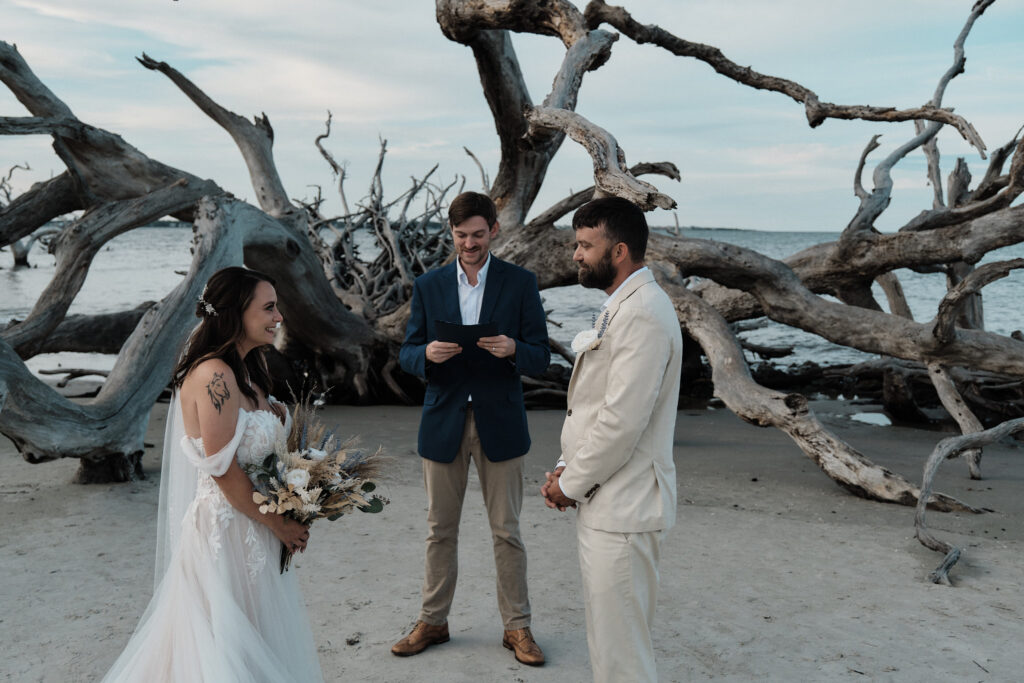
<point>384,69</point>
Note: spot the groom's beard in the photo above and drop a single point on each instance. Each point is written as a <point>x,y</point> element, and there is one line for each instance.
<point>599,276</point>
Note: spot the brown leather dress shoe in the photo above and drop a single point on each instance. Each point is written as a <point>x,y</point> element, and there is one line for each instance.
<point>526,650</point>
<point>423,636</point>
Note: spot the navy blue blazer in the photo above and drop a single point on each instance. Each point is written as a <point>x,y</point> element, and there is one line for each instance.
<point>512,301</point>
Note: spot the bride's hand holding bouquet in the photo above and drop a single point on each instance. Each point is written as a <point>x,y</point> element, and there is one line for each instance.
<point>312,474</point>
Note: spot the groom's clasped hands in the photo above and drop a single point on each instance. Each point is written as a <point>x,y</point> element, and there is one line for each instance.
<point>552,492</point>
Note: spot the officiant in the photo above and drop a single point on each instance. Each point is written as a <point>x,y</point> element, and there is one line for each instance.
<point>473,411</point>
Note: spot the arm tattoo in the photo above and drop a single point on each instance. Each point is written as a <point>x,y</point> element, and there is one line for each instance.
<point>218,391</point>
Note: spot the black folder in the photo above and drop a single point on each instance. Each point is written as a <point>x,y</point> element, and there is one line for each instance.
<point>465,336</point>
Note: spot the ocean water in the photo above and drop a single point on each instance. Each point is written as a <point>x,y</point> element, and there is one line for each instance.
<point>145,264</point>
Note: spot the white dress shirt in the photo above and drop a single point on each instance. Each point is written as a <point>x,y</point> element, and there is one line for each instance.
<point>617,289</point>
<point>471,297</point>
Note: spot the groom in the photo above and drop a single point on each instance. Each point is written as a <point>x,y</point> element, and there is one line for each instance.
<point>616,463</point>
<point>473,410</point>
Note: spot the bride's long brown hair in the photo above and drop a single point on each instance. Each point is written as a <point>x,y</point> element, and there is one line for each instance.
<point>225,298</point>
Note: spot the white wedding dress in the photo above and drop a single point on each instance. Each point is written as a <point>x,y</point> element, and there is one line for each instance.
<point>221,611</point>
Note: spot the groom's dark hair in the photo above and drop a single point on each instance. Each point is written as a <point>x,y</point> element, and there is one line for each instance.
<point>469,204</point>
<point>621,219</point>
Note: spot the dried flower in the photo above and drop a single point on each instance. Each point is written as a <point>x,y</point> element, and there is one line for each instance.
<point>297,479</point>
<point>312,475</point>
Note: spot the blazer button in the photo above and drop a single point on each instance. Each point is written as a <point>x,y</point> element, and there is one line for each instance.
<point>569,413</point>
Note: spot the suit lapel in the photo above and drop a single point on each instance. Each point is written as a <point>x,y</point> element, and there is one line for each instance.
<point>492,288</point>
<point>605,319</point>
<point>572,378</point>
<point>450,294</point>
<point>641,279</point>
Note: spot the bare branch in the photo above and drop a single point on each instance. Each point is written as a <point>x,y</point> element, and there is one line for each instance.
<point>37,125</point>
<point>598,12</point>
<point>586,54</point>
<point>945,449</point>
<point>483,25</point>
<point>40,204</point>
<point>945,321</point>
<point>80,242</point>
<point>954,404</point>
<point>789,412</point>
<point>26,86</point>
<point>931,153</point>
<point>785,299</point>
<point>872,206</point>
<point>931,220</point>
<point>858,188</point>
<point>993,180</point>
<point>336,168</point>
<point>959,59</point>
<point>486,183</point>
<point>958,183</point>
<point>861,226</point>
<point>461,20</point>
<point>610,175</point>
<point>578,199</point>
<point>254,140</point>
<point>893,291</point>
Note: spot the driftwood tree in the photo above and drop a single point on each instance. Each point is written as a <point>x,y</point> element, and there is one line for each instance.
<point>346,316</point>
<point>736,283</point>
<point>20,248</point>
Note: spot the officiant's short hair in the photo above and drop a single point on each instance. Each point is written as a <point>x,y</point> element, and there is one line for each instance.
<point>622,220</point>
<point>469,204</point>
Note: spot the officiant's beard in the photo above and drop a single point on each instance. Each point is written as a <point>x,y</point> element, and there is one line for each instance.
<point>599,276</point>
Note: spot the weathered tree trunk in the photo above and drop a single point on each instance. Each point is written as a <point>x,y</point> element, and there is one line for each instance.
<point>106,433</point>
<point>788,412</point>
<point>21,248</point>
<point>102,333</point>
<point>945,449</point>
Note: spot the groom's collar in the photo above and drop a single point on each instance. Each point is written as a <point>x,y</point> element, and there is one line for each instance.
<point>627,287</point>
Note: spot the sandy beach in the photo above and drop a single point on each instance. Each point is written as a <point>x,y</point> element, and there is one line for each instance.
<point>771,573</point>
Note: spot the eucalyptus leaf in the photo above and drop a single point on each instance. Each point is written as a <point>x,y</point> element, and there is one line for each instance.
<point>376,505</point>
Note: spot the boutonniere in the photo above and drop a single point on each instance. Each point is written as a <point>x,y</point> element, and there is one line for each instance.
<point>586,341</point>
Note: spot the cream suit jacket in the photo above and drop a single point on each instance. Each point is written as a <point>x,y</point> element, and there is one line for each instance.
<point>619,428</point>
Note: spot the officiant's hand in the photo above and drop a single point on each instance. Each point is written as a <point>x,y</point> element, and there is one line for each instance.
<point>439,351</point>
<point>499,347</point>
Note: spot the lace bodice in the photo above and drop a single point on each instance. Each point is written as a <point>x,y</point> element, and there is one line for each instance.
<point>211,512</point>
<point>259,432</point>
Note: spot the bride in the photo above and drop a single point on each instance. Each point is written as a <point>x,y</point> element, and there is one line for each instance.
<point>221,610</point>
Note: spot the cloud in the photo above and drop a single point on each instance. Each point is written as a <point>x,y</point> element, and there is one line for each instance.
<point>748,157</point>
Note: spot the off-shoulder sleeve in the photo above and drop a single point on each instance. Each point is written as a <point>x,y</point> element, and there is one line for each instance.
<point>217,464</point>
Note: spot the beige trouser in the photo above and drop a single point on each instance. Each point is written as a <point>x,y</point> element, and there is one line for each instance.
<point>620,586</point>
<point>502,484</point>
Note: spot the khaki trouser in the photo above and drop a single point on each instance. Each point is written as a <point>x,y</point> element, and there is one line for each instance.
<point>502,484</point>
<point>620,586</point>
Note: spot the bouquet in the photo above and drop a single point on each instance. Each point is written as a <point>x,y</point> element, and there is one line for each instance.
<point>312,474</point>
